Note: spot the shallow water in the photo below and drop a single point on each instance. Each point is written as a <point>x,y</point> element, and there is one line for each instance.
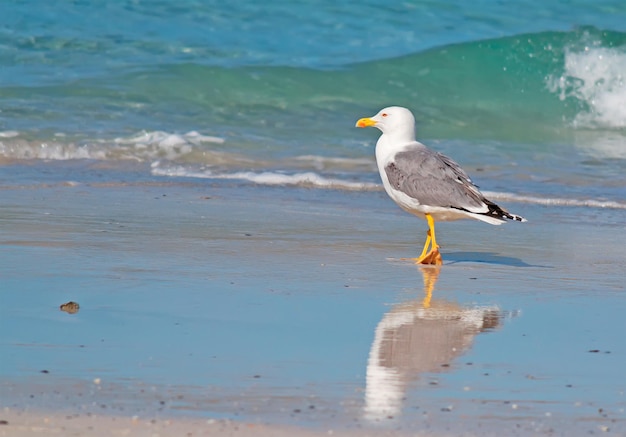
<point>196,301</point>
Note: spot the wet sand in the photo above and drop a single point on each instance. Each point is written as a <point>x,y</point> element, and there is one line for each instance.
<point>46,424</point>
<point>229,309</point>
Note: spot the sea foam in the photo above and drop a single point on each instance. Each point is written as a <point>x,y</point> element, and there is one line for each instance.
<point>303,179</point>
<point>315,180</point>
<point>554,201</point>
<point>145,146</point>
<point>596,76</point>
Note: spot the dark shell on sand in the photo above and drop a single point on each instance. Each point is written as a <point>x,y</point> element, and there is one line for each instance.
<point>70,307</point>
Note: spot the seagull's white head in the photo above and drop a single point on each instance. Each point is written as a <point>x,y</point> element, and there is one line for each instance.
<point>394,121</point>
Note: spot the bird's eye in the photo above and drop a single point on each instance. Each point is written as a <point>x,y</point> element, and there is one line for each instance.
<point>384,114</point>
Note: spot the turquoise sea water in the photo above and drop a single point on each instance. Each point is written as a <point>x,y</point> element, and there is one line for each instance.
<point>202,89</point>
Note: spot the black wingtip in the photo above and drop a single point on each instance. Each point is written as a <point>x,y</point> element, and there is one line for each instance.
<point>496,211</point>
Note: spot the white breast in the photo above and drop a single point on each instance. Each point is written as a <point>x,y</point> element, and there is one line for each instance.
<point>384,155</point>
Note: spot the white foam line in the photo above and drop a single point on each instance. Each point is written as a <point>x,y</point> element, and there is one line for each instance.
<point>311,179</point>
<point>168,139</point>
<point>272,178</point>
<point>552,201</point>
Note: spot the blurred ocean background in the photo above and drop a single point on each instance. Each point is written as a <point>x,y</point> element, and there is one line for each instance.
<point>529,97</point>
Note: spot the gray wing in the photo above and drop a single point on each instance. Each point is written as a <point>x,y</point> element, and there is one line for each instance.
<point>434,179</point>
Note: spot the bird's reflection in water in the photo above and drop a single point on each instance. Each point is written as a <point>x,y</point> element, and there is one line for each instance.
<point>424,335</point>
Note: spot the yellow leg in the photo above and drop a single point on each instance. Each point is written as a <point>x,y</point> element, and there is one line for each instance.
<point>431,230</point>
<point>431,256</point>
<point>426,244</point>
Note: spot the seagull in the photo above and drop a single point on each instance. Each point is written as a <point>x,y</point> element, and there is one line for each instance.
<point>426,183</point>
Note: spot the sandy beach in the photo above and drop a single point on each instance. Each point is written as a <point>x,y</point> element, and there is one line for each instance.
<point>234,309</point>
<point>55,424</point>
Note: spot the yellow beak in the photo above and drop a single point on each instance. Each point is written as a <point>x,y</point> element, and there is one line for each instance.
<point>365,122</point>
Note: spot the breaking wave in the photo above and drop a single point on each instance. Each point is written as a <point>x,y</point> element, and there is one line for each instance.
<point>145,146</point>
